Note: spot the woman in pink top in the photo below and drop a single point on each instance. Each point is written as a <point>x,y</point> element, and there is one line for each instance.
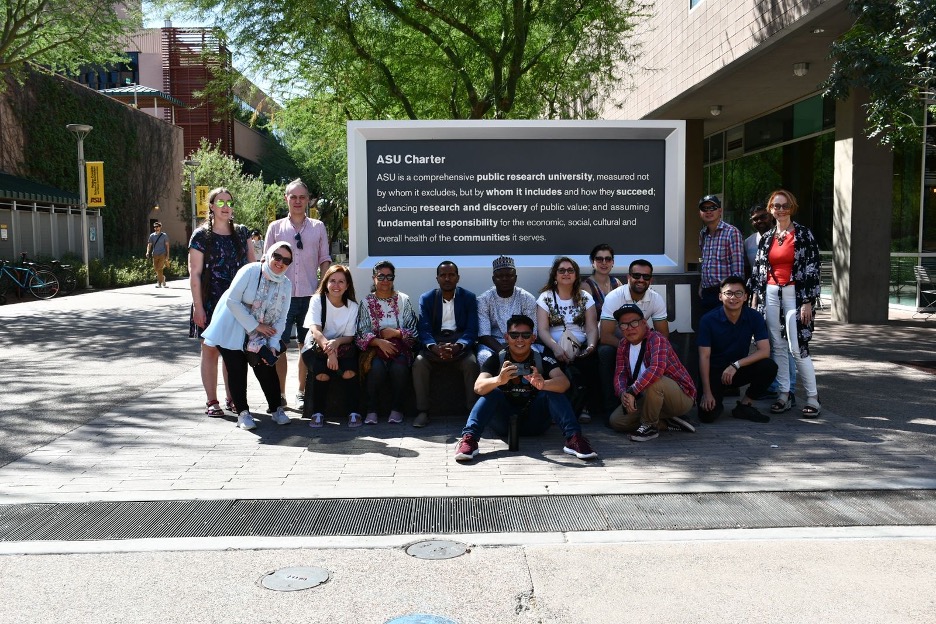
<point>785,283</point>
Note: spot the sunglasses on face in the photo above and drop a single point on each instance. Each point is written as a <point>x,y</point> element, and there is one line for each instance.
<point>780,206</point>
<point>221,203</point>
<point>281,258</point>
<point>518,335</point>
<point>642,276</point>
<point>632,324</point>
<point>380,277</point>
<point>298,240</point>
<point>604,259</point>
<point>565,271</point>
<point>708,208</point>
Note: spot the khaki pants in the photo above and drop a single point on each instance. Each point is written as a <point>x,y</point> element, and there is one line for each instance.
<point>661,400</point>
<point>159,263</point>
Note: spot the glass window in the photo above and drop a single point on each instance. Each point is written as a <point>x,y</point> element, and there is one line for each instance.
<point>807,117</point>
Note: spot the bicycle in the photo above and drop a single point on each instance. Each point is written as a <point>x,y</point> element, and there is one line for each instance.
<point>40,283</point>
<point>65,273</point>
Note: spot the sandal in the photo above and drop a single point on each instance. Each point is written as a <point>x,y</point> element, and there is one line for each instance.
<point>229,405</point>
<point>780,406</point>
<point>812,408</point>
<point>213,409</point>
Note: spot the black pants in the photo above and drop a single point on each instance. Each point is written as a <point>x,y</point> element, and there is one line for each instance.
<point>237,366</point>
<point>759,375</point>
<point>350,388</point>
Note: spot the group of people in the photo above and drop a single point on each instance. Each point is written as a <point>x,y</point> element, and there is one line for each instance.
<point>584,347</point>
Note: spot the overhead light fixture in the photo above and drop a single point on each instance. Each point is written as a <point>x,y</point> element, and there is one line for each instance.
<point>715,110</point>
<point>800,69</point>
<point>818,31</point>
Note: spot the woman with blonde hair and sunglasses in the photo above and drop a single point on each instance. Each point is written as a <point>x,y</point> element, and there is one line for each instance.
<point>329,351</point>
<point>217,250</point>
<point>785,283</point>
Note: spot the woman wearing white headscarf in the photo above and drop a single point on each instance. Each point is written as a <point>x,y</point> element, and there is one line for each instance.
<point>248,322</point>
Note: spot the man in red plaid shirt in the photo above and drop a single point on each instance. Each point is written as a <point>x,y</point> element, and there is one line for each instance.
<point>655,388</point>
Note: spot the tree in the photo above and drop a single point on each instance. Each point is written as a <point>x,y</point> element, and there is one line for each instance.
<point>890,52</point>
<point>453,59</point>
<point>62,35</point>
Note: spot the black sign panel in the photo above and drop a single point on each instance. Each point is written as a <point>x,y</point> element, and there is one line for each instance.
<point>531,196</point>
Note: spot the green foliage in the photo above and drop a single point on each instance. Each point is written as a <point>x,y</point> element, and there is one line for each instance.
<point>62,35</point>
<point>136,149</point>
<point>255,201</point>
<point>890,52</point>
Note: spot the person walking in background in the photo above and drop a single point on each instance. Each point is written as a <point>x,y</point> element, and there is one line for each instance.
<point>256,239</point>
<point>386,333</point>
<point>309,240</point>
<point>217,250</point>
<point>785,283</point>
<point>329,351</point>
<point>722,252</point>
<point>157,248</point>
<point>248,324</point>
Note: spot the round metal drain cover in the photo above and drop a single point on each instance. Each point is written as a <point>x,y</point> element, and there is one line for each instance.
<point>294,579</point>
<point>436,549</point>
<point>421,618</point>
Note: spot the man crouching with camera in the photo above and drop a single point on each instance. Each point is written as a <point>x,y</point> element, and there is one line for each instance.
<point>523,384</point>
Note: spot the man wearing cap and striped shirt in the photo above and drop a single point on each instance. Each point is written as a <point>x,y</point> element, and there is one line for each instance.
<point>722,252</point>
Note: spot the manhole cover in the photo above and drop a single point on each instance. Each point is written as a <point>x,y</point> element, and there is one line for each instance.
<point>436,549</point>
<point>294,579</point>
<point>421,618</point>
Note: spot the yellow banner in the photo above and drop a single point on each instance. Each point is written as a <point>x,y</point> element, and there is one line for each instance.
<point>95,179</point>
<point>201,201</point>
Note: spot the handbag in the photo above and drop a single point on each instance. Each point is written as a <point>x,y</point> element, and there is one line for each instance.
<point>569,345</point>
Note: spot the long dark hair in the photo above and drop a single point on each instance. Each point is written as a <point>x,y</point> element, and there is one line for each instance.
<point>553,272</point>
<point>239,245</point>
<point>323,284</point>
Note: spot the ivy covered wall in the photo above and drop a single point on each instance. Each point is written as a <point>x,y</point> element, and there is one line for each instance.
<point>141,154</point>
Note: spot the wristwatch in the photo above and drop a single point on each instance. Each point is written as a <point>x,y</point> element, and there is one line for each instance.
<point>736,364</point>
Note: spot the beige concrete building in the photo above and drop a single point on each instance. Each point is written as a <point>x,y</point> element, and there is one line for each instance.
<point>745,74</point>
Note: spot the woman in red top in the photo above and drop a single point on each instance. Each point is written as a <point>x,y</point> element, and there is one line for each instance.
<point>785,282</point>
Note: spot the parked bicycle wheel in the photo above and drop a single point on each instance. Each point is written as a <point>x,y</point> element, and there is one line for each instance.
<point>68,281</point>
<point>43,285</point>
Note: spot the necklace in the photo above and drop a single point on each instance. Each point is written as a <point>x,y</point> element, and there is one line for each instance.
<point>781,236</point>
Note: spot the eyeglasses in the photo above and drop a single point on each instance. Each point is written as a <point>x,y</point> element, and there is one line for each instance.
<point>709,208</point>
<point>281,258</point>
<point>780,206</point>
<point>515,335</point>
<point>156,227</point>
<point>380,277</point>
<point>221,203</point>
<point>565,271</point>
<point>733,294</point>
<point>604,259</point>
<point>298,240</point>
<point>631,324</point>
<point>642,276</point>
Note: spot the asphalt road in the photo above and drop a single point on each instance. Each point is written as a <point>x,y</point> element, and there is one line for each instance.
<point>64,360</point>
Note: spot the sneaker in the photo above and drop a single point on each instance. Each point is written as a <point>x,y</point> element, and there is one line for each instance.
<point>280,417</point>
<point>371,418</point>
<point>677,423</point>
<point>578,445</point>
<point>467,448</point>
<point>317,420</point>
<point>644,433</point>
<point>283,401</point>
<point>421,420</point>
<point>585,417</point>
<point>246,421</point>
<point>749,412</point>
<point>354,420</point>
<point>158,285</point>
<point>395,417</point>
<point>300,400</point>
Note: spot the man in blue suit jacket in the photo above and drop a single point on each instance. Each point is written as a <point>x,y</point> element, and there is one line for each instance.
<point>448,329</point>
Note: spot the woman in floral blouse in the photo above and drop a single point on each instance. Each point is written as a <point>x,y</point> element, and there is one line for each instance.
<point>785,283</point>
<point>386,334</point>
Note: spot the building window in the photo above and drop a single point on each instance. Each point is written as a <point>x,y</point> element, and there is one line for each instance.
<point>692,3</point>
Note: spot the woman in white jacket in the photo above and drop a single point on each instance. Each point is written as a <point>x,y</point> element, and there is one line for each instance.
<point>250,318</point>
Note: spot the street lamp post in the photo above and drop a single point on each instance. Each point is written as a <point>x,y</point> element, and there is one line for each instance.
<point>192,165</point>
<point>81,131</point>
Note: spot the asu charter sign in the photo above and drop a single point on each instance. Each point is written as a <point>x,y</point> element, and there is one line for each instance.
<point>473,190</point>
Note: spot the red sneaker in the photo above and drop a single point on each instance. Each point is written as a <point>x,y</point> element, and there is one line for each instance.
<point>578,445</point>
<point>467,448</point>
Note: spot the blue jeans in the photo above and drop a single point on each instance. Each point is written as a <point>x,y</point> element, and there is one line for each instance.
<point>298,308</point>
<point>546,408</point>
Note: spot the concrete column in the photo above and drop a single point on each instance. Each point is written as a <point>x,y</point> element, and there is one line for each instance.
<point>694,187</point>
<point>861,219</point>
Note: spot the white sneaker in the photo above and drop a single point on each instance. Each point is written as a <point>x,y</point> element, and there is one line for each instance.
<point>317,420</point>
<point>280,417</point>
<point>246,421</point>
